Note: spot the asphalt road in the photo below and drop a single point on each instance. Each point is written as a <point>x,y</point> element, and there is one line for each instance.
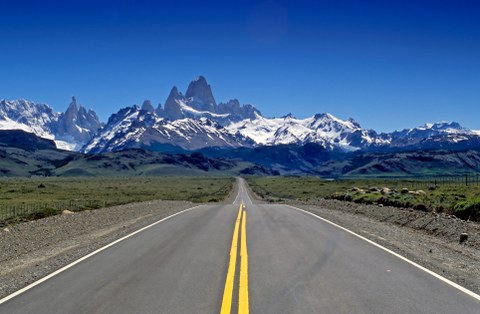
<point>296,264</point>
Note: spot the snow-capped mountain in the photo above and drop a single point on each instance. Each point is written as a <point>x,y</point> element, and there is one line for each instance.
<point>198,102</point>
<point>30,117</point>
<point>430,130</point>
<point>70,130</point>
<point>191,121</point>
<point>430,135</point>
<point>77,125</point>
<point>324,129</point>
<point>195,121</point>
<point>133,127</point>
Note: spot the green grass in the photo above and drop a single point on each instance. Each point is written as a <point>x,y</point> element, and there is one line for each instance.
<point>302,188</point>
<point>46,196</point>
<point>460,200</point>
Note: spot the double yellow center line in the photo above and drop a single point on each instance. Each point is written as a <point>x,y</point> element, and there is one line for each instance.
<point>243,307</point>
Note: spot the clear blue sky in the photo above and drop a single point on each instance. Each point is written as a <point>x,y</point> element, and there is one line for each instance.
<point>388,64</point>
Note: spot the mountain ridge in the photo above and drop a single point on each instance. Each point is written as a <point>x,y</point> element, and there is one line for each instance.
<point>194,121</point>
<point>70,130</point>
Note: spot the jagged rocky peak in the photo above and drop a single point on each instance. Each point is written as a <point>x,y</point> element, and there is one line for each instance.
<point>77,124</point>
<point>288,116</point>
<point>319,116</point>
<point>354,122</point>
<point>232,106</point>
<point>72,111</point>
<point>26,111</point>
<point>74,102</point>
<point>172,108</point>
<point>69,129</point>
<point>322,119</point>
<point>121,114</point>
<point>199,93</point>
<point>199,102</point>
<point>147,106</point>
<point>78,113</point>
<point>159,109</point>
<point>28,116</point>
<point>238,112</point>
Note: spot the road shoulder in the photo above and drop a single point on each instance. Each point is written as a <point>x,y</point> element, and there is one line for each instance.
<point>32,250</point>
<point>452,260</point>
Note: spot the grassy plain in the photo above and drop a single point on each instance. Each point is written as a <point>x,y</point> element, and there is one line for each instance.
<point>47,196</point>
<point>454,198</point>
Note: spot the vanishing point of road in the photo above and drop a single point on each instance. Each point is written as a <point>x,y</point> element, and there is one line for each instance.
<point>242,258</point>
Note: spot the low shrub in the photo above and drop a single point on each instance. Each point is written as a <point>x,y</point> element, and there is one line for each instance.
<point>368,198</point>
<point>421,207</point>
<point>468,209</point>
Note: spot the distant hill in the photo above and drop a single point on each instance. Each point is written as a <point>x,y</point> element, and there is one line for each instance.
<point>23,154</point>
<point>24,140</point>
<point>415,163</point>
<point>137,162</point>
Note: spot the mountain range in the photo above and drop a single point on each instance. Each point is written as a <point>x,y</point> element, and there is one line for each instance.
<point>194,121</point>
<point>70,130</point>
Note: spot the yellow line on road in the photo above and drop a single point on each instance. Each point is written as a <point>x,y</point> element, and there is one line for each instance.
<point>228,292</point>
<point>243,307</point>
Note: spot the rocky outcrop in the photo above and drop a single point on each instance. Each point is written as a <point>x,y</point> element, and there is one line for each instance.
<point>199,95</point>
<point>147,106</point>
<point>77,123</point>
<point>172,108</point>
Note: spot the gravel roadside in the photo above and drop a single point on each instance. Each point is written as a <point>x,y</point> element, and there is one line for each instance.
<point>32,250</point>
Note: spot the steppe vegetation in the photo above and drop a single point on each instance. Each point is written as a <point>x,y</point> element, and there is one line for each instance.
<point>455,199</point>
<point>25,199</point>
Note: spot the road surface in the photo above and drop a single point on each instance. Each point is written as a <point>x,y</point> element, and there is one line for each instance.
<point>253,258</point>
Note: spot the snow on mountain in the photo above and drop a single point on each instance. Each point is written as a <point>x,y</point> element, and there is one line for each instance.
<point>119,129</point>
<point>25,115</point>
<point>135,128</point>
<point>195,120</point>
<point>70,130</point>
<point>76,126</point>
<point>198,102</point>
<point>141,128</point>
<point>433,129</point>
<point>324,129</point>
<point>187,110</point>
<point>8,124</point>
<point>441,133</point>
